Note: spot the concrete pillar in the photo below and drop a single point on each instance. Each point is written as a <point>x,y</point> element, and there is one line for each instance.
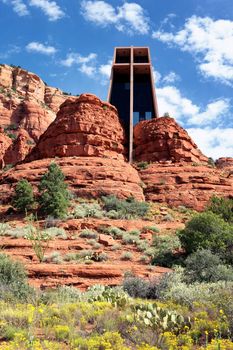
<point>131,107</point>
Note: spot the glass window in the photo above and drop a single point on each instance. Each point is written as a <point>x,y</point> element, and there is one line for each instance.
<point>148,115</point>
<point>135,118</point>
<point>127,86</point>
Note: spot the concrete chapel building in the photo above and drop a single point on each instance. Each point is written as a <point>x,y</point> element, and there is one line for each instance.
<point>132,89</point>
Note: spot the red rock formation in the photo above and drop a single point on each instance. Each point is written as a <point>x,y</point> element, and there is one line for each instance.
<point>18,150</point>
<point>225,163</point>
<point>87,177</point>
<point>162,139</point>
<point>85,126</point>
<point>34,118</point>
<point>5,143</point>
<point>184,184</point>
<point>26,101</point>
<point>53,98</point>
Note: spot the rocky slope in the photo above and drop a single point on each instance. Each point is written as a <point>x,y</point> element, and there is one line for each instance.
<point>190,185</point>
<point>76,273</point>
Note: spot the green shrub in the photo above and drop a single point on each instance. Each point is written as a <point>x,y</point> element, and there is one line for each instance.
<point>56,232</point>
<point>172,288</point>
<point>142,245</point>
<point>211,162</point>
<point>71,257</point>
<point>222,207</point>
<point>204,266</point>
<point>134,232</point>
<point>208,231</point>
<point>53,194</point>
<point>138,287</point>
<point>130,239</point>
<point>144,259</point>
<point>168,218</point>
<point>86,233</point>
<point>23,199</point>
<point>128,208</point>
<point>12,136</point>
<point>102,257</point>
<point>85,254</point>
<point>116,247</point>
<point>151,228</point>
<point>13,279</point>
<point>54,257</point>
<point>142,165</point>
<point>50,221</point>
<point>114,214</point>
<point>115,232</point>
<point>61,295</point>
<point>165,248</point>
<point>86,210</point>
<point>4,229</point>
<point>126,256</point>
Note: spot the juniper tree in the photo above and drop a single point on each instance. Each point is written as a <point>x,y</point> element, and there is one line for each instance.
<point>23,198</point>
<point>53,193</point>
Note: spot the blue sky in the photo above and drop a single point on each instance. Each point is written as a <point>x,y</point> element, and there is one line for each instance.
<point>69,44</point>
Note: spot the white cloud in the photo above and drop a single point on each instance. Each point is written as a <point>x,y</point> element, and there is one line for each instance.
<point>105,69</point>
<point>130,17</point>
<point>50,8</point>
<point>211,43</point>
<point>214,142</point>
<point>99,12</point>
<point>88,70</point>
<point>12,49</point>
<point>40,48</point>
<point>18,6</point>
<point>157,77</point>
<point>171,77</point>
<point>171,100</point>
<point>86,64</point>
<point>75,58</point>
<point>206,125</point>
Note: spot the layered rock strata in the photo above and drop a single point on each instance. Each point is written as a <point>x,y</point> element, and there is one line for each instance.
<point>26,101</point>
<point>162,139</point>
<point>189,185</point>
<point>90,177</point>
<point>85,126</point>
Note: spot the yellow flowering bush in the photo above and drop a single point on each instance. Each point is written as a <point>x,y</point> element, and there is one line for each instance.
<point>146,347</point>
<point>107,341</point>
<point>61,332</point>
<point>220,344</point>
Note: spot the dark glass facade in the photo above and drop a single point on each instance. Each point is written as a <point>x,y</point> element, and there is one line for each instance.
<point>143,105</point>
<point>120,96</point>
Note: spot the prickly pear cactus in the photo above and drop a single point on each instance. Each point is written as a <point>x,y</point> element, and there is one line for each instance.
<point>156,317</point>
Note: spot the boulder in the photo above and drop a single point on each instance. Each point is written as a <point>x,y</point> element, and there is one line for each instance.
<point>84,126</point>
<point>162,139</point>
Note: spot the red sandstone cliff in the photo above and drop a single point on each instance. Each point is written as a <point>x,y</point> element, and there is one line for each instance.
<point>26,103</point>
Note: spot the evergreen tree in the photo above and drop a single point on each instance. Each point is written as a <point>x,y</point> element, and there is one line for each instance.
<point>23,199</point>
<point>54,196</point>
